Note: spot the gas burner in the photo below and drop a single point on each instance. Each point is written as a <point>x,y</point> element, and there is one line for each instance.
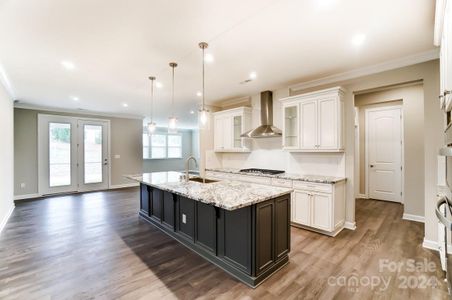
<point>261,171</point>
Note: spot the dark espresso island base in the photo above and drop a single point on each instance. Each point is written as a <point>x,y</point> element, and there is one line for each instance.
<point>250,243</point>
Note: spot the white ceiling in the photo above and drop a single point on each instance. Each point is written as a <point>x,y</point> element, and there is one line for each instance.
<point>115,45</point>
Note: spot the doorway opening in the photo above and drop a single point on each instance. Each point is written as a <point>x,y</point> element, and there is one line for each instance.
<point>389,153</point>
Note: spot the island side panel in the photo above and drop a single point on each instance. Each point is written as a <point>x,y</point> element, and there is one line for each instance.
<point>144,199</point>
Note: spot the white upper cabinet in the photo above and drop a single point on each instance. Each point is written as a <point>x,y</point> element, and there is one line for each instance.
<point>443,38</point>
<point>313,122</point>
<point>228,126</point>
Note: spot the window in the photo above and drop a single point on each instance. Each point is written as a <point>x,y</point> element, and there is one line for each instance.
<point>162,146</point>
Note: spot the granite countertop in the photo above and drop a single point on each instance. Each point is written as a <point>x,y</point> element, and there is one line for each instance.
<point>227,194</point>
<point>289,176</point>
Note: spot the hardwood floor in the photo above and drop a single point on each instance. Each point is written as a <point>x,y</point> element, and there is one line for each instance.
<point>94,245</point>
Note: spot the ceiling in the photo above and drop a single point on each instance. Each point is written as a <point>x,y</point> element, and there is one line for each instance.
<point>114,45</point>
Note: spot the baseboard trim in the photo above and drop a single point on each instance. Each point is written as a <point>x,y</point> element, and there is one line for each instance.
<point>350,225</point>
<point>125,185</point>
<point>362,196</point>
<point>415,218</point>
<point>6,218</point>
<point>26,196</point>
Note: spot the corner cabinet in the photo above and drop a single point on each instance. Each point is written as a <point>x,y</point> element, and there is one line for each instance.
<point>228,126</point>
<point>313,122</point>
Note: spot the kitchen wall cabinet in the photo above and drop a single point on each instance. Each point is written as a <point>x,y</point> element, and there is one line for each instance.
<point>228,126</point>
<point>313,122</point>
<point>445,43</point>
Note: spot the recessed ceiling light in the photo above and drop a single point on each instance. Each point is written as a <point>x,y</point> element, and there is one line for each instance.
<point>358,39</point>
<point>253,75</point>
<point>125,105</point>
<point>199,94</point>
<point>158,84</point>
<point>74,98</point>
<point>208,58</point>
<point>192,112</point>
<point>68,65</point>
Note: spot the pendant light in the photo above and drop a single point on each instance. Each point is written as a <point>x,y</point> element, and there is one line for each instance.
<point>152,125</point>
<point>172,125</point>
<point>203,112</point>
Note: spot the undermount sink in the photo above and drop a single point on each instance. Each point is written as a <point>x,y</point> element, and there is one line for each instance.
<point>198,179</point>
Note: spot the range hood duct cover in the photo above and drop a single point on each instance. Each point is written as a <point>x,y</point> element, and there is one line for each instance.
<point>266,130</point>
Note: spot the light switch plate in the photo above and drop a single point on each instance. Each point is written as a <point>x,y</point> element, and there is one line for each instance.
<point>184,219</point>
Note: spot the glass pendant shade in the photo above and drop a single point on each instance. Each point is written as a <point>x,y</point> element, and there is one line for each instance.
<point>204,118</point>
<point>151,127</point>
<point>172,125</point>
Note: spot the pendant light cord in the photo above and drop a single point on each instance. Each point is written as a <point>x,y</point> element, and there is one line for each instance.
<point>203,79</point>
<point>152,100</point>
<point>172,93</point>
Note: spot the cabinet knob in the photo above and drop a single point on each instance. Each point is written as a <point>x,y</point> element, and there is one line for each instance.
<point>371,166</point>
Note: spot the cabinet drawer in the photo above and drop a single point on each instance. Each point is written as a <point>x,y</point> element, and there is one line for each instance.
<point>311,186</point>
<point>282,182</point>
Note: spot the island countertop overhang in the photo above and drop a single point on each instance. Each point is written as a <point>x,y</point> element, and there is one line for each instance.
<point>226,194</point>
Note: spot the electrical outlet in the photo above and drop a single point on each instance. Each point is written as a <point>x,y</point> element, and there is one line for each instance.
<point>22,185</point>
<point>184,219</point>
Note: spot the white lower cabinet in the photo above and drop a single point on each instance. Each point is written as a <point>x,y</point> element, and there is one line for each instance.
<point>301,208</point>
<point>320,211</point>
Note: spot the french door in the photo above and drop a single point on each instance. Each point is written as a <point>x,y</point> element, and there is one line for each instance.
<point>73,154</point>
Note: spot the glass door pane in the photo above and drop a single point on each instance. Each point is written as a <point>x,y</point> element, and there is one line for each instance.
<point>237,131</point>
<point>92,153</point>
<point>291,126</point>
<point>59,154</point>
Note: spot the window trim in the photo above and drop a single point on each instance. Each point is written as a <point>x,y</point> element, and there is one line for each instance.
<point>149,147</point>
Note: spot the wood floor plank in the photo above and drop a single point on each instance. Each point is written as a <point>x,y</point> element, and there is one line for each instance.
<point>94,246</point>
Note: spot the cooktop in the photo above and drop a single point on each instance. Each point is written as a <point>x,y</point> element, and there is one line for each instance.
<point>262,171</point>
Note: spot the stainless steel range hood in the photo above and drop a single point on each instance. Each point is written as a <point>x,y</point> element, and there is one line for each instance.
<point>266,130</point>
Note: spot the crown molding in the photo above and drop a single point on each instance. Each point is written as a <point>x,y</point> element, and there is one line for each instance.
<point>76,111</point>
<point>234,101</point>
<point>369,70</point>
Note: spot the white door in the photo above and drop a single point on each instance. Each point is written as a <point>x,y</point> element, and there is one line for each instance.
<point>93,164</point>
<point>328,123</point>
<point>308,124</point>
<point>57,154</point>
<point>72,154</point>
<point>321,211</point>
<point>301,208</point>
<point>384,153</point>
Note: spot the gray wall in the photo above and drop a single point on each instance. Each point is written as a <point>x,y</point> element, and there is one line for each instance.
<point>190,146</point>
<point>125,141</point>
<point>6,156</point>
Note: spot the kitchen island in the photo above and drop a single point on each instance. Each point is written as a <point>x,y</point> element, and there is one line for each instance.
<point>243,228</point>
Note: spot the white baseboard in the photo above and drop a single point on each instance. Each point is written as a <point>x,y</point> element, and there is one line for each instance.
<point>5,219</point>
<point>362,196</point>
<point>432,245</point>
<point>414,218</point>
<point>350,225</point>
<point>125,185</point>
<point>26,196</point>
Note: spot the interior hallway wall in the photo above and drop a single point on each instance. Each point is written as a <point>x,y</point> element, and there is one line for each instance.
<point>6,156</point>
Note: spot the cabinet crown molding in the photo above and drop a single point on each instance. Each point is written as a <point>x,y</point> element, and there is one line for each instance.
<point>330,91</point>
<point>232,110</point>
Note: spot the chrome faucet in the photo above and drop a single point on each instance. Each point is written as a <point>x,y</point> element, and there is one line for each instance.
<point>187,165</point>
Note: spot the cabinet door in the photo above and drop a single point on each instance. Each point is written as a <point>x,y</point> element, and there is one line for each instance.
<point>327,123</point>
<point>321,211</point>
<point>218,133</point>
<point>282,226</point>
<point>308,125</point>
<point>301,208</point>
<point>227,132</point>
<point>206,227</point>
<point>291,126</point>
